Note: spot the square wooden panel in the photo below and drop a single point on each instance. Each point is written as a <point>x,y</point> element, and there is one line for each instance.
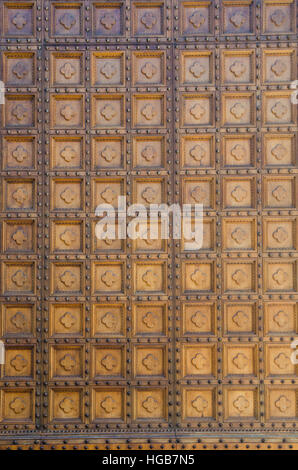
<point>19,111</point>
<point>150,319</point>
<point>238,67</point>
<point>19,152</point>
<point>280,276</point>
<point>241,403</point>
<point>149,152</point>
<point>67,152</point>
<point>67,19</point>
<point>108,278</point>
<point>278,16</point>
<point>19,19</point>
<point>209,236</point>
<point>66,405</point>
<point>108,68</point>
<point>279,150</point>
<point>148,68</point>
<point>67,236</point>
<point>239,276</point>
<point>18,278</point>
<point>279,192</point>
<point>239,234</point>
<point>148,110</point>
<point>107,18</point>
<point>277,109</point>
<point>107,191</point>
<point>198,276</point>
<point>19,68</point>
<point>67,194</point>
<point>18,320</point>
<point>240,318</point>
<point>66,362</point>
<point>238,17</point>
<point>278,361</point>
<point>197,151</point>
<point>19,363</point>
<point>108,362</point>
<point>108,320</point>
<point>199,191</point>
<point>151,237</point>
<point>240,360</point>
<point>19,194</point>
<point>150,404</point>
<point>67,69</point>
<point>108,405</point>
<point>67,278</point>
<point>239,150</point>
<point>280,318</point>
<point>18,405</point>
<point>238,109</point>
<point>199,403</point>
<point>148,19</point>
<point>67,320</point>
<point>279,234</point>
<point>108,111</point>
<point>198,319</point>
<point>149,362</point>
<point>108,152</point>
<point>110,242</point>
<point>281,403</point>
<point>196,18</point>
<point>197,109</point>
<point>19,236</point>
<point>278,65</point>
<point>239,192</point>
<point>149,191</point>
<point>198,360</point>
<point>150,277</point>
<point>197,68</point>
<point>67,111</point>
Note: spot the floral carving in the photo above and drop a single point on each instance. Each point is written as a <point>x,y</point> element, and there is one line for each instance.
<point>109,320</point>
<point>282,403</point>
<point>200,404</point>
<point>279,193</point>
<point>237,110</point>
<point>19,112</point>
<point>280,276</point>
<point>282,360</point>
<point>199,277</point>
<point>238,152</point>
<point>19,363</point>
<point>278,17</point>
<point>281,319</point>
<point>240,319</point>
<point>68,278</point>
<point>241,403</point>
<point>20,70</point>
<point>148,111</point>
<point>67,21</point>
<point>67,112</point>
<point>279,110</point>
<point>108,153</point>
<point>68,236</point>
<point>20,196</point>
<point>150,404</point>
<point>149,153</point>
<point>67,70</point>
<point>148,20</point>
<point>108,278</point>
<point>280,235</point>
<point>149,70</point>
<point>20,154</point>
<point>68,362</point>
<point>239,277</point>
<point>278,68</point>
<point>279,152</point>
<point>68,153</point>
<point>199,319</point>
<point>67,320</point>
<point>199,361</point>
<point>18,320</point>
<point>149,319</point>
<point>149,194</point>
<point>198,194</point>
<point>108,112</point>
<point>197,111</point>
<point>240,361</point>
<point>108,70</point>
<point>197,19</point>
<point>197,153</point>
<point>19,21</point>
<point>108,195</point>
<point>67,405</point>
<point>237,68</point>
<point>108,404</point>
<point>109,362</point>
<point>239,235</point>
<point>108,21</point>
<point>239,194</point>
<point>238,19</point>
<point>19,278</point>
<point>17,405</point>
<point>150,278</point>
<point>197,69</point>
<point>67,195</point>
<point>150,362</point>
<point>19,237</point>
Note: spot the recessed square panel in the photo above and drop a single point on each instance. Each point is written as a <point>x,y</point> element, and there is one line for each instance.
<point>19,19</point>
<point>108,404</point>
<point>279,234</point>
<point>67,236</point>
<point>19,111</point>
<point>67,278</point>
<point>67,19</point>
<point>149,191</point>
<point>66,405</point>
<point>240,318</point>
<point>67,69</point>
<point>150,277</point>
<point>149,362</point>
<point>192,242</point>
<point>280,276</point>
<point>198,319</point>
<point>150,404</point>
<point>18,278</point>
<point>67,111</point>
<point>198,360</point>
<point>199,276</point>
<point>239,234</point>
<point>108,68</point>
<point>279,192</point>
<point>19,236</point>
<point>67,194</point>
<point>237,67</point>
<point>19,194</point>
<point>238,150</point>
<point>197,109</point>
<point>239,192</point>
<point>19,363</point>
<point>278,109</point>
<point>278,16</point>
<point>107,238</point>
<point>281,403</point>
<point>241,403</point>
<point>278,361</point>
<point>108,18</point>
<point>67,153</point>
<point>108,320</point>
<point>148,68</point>
<point>238,109</point>
<point>19,152</point>
<point>19,68</point>
<point>148,19</point>
<point>18,405</point>
<point>197,151</point>
<point>108,152</point>
<point>279,150</point>
<point>278,65</point>
<point>280,318</point>
<point>66,320</point>
<point>240,360</point>
<point>239,276</point>
<point>199,403</point>
<point>108,111</point>
<point>199,191</point>
<point>197,68</point>
<point>108,278</point>
<point>107,191</point>
<point>18,320</point>
<point>148,110</point>
<point>150,319</point>
<point>238,17</point>
<point>196,18</point>
<point>108,362</point>
<point>149,151</point>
